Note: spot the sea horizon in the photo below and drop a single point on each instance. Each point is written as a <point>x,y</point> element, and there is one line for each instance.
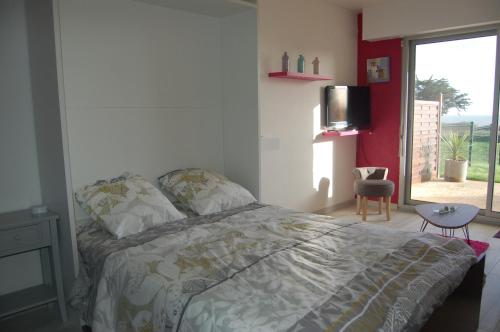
<point>479,120</point>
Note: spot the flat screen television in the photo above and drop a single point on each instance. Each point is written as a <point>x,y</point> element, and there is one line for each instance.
<point>347,107</point>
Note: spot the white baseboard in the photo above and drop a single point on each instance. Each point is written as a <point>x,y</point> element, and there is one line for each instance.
<point>371,205</point>
<point>339,206</point>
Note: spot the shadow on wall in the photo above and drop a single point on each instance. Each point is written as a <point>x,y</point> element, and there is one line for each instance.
<point>322,158</point>
<point>332,165</point>
<point>301,168</point>
<point>324,190</point>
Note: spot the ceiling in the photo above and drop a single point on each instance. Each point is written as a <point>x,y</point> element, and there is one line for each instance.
<point>356,4</point>
<point>223,8</point>
<point>215,8</point>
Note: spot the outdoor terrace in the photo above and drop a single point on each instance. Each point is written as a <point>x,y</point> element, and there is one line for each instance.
<point>468,192</point>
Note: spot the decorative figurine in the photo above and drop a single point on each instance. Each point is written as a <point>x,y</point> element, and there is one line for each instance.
<point>285,62</point>
<point>316,66</point>
<point>301,64</point>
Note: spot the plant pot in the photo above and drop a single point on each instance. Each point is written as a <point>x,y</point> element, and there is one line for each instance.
<point>455,170</point>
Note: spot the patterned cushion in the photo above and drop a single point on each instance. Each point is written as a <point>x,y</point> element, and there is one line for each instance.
<point>378,174</point>
<point>126,205</point>
<point>205,191</point>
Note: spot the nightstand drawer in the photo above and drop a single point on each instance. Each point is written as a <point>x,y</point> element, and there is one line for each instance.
<point>24,238</point>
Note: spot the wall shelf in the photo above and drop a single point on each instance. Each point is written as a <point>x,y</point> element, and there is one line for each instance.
<point>351,132</point>
<point>299,76</point>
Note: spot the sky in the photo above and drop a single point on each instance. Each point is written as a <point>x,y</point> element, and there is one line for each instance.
<point>469,66</point>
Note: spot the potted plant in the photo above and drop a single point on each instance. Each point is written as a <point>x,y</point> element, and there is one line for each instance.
<point>455,168</point>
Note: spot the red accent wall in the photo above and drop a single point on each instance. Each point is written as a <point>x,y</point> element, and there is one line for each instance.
<point>381,148</point>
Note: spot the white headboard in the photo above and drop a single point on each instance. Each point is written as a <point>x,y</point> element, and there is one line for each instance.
<point>142,87</point>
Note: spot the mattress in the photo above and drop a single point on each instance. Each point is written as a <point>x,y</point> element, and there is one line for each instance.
<point>266,268</point>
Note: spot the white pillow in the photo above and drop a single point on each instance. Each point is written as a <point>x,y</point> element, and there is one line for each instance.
<point>126,205</point>
<point>205,191</point>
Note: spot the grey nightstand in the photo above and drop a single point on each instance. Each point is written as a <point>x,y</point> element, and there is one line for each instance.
<point>21,232</point>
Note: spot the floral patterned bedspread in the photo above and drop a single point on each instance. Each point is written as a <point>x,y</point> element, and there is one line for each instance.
<point>265,268</point>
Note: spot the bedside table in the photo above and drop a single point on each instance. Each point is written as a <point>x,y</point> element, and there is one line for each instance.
<point>21,232</point>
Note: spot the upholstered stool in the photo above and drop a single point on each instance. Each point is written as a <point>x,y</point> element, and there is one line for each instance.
<point>378,188</point>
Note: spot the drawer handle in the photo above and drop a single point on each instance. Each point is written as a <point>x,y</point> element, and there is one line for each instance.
<point>17,237</point>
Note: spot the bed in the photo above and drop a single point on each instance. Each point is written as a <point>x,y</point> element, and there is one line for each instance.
<point>266,268</point>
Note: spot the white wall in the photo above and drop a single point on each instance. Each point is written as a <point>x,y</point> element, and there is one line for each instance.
<point>20,187</point>
<point>396,18</point>
<point>240,99</point>
<point>298,170</point>
<point>19,177</point>
<point>142,88</point>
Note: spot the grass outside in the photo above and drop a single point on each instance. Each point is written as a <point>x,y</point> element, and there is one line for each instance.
<point>478,169</point>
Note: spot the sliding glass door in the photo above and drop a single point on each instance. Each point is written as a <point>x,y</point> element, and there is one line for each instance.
<point>452,121</point>
<point>495,185</point>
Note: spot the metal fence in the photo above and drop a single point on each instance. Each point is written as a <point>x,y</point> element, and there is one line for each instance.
<point>475,133</point>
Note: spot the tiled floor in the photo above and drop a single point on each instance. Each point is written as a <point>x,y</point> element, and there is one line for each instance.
<point>407,221</point>
<point>46,319</point>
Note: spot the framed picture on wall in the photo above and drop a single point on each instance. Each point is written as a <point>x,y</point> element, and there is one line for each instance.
<point>378,70</point>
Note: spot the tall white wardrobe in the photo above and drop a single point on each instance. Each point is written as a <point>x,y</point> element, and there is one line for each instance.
<point>94,88</point>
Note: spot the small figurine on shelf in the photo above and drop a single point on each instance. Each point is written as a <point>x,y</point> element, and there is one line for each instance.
<point>301,64</point>
<point>316,66</point>
<point>285,62</point>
